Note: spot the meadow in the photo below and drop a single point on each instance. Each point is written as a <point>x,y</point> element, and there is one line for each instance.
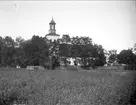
<point>67,87</point>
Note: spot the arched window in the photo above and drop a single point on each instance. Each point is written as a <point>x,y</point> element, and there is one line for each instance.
<point>52,27</point>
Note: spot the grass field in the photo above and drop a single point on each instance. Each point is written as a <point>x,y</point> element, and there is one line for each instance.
<point>42,87</point>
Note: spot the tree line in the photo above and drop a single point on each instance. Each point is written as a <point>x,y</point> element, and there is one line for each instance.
<point>43,52</point>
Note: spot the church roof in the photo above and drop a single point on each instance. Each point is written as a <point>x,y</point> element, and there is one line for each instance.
<point>52,21</point>
<point>52,34</point>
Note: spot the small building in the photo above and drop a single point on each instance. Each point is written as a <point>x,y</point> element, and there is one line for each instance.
<point>52,32</point>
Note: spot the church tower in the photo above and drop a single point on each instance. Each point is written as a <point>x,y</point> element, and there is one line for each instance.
<point>52,27</point>
<point>52,31</point>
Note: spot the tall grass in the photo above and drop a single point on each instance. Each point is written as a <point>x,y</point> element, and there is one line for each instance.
<point>65,88</point>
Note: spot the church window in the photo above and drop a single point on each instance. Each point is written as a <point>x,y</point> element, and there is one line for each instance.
<point>52,27</point>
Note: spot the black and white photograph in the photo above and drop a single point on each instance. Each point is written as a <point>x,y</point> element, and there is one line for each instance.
<point>68,52</point>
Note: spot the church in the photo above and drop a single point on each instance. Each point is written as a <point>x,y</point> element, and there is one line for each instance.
<point>52,31</point>
<point>53,36</point>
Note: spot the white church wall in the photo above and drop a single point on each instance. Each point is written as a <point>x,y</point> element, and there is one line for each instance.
<point>52,37</point>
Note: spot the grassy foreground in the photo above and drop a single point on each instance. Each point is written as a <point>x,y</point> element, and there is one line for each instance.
<point>41,87</point>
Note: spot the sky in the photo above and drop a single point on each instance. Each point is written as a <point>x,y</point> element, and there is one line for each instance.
<point>109,23</point>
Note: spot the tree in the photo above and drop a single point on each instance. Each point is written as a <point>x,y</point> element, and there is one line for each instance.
<point>112,56</point>
<point>134,49</point>
<point>64,50</point>
<point>98,55</point>
<point>66,39</point>
<point>81,40</point>
<point>19,41</point>
<point>2,51</point>
<point>90,54</point>
<point>82,48</point>
<point>126,57</point>
<point>7,51</point>
<point>9,41</point>
<point>35,51</point>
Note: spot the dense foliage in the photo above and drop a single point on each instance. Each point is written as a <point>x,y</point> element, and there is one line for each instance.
<point>40,51</point>
<point>82,47</point>
<point>128,58</point>
<point>23,52</point>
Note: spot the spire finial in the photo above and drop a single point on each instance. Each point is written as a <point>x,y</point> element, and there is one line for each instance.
<point>52,17</point>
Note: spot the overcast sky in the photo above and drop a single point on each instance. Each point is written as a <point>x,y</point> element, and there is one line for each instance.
<point>109,23</point>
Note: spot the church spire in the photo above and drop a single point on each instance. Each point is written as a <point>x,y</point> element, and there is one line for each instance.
<point>52,31</point>
<point>52,17</point>
<point>52,21</point>
<point>52,27</point>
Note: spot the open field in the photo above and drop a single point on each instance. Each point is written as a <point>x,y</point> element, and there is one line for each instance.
<point>42,87</point>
